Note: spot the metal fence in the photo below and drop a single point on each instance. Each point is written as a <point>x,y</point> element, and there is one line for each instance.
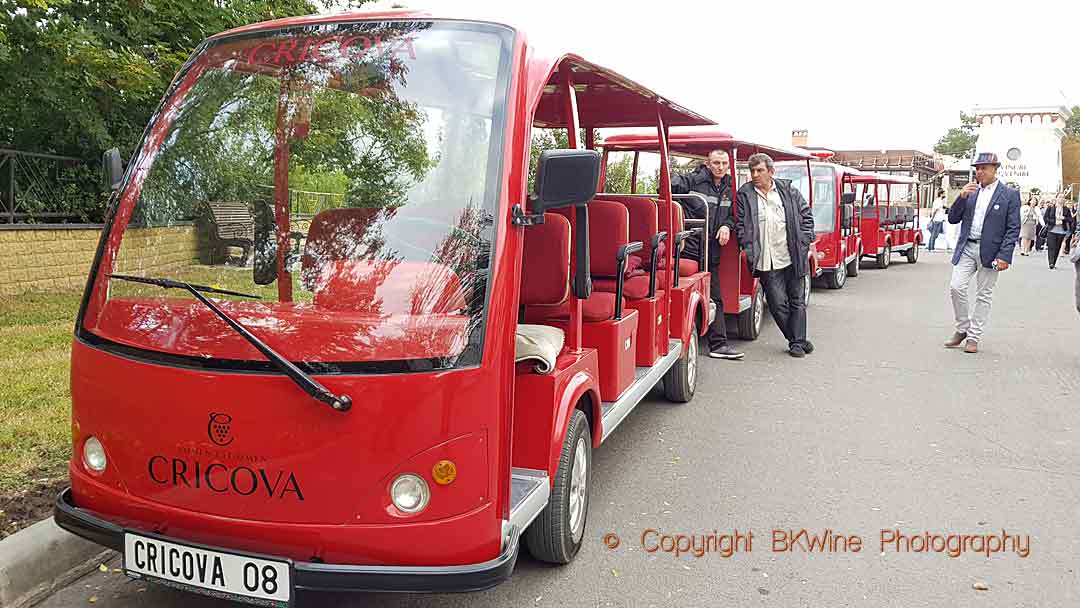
<point>31,186</point>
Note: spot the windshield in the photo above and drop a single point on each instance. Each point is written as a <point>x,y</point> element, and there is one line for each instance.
<point>345,173</point>
<point>824,191</point>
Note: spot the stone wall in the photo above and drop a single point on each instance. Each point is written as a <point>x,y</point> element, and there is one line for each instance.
<point>59,258</point>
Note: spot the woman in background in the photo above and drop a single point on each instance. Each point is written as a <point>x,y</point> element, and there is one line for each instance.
<point>1029,222</point>
<point>1059,222</point>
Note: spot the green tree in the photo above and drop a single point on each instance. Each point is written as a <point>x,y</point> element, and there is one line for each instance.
<point>1072,126</point>
<point>959,141</point>
<point>81,77</point>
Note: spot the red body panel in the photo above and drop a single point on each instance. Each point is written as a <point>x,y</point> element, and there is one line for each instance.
<point>543,403</point>
<point>614,343</point>
<point>648,341</point>
<point>331,471</point>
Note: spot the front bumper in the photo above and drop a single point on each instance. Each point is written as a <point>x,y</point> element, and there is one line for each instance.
<point>327,577</point>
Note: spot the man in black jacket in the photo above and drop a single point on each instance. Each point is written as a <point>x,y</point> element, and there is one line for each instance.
<point>775,227</point>
<point>713,181</point>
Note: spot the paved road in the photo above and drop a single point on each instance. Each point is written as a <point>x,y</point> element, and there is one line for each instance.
<point>881,428</point>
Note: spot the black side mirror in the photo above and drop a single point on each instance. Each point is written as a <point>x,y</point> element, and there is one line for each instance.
<point>113,168</point>
<point>847,198</point>
<point>565,178</point>
<point>847,212</point>
<point>265,247</point>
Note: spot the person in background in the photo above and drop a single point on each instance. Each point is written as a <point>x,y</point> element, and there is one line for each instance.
<point>1071,229</point>
<point>989,216</point>
<point>1040,231</point>
<point>1029,223</point>
<point>1059,225</point>
<point>713,181</point>
<point>775,226</point>
<point>937,219</point>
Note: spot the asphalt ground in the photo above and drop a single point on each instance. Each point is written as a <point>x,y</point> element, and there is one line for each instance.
<point>880,429</point>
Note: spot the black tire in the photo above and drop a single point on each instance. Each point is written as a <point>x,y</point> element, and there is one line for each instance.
<point>884,258</point>
<point>853,266</point>
<point>913,253</point>
<point>681,380</point>
<point>750,320</point>
<point>837,278</point>
<point>551,537</point>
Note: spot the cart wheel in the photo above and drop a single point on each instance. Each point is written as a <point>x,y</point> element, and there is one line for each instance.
<point>750,319</point>
<point>556,533</point>
<point>853,266</point>
<point>681,380</point>
<point>885,257</point>
<point>837,278</point>
<point>913,253</point>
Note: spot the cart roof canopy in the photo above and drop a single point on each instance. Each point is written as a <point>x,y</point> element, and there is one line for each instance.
<point>699,142</point>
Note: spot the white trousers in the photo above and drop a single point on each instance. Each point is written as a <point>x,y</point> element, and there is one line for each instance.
<point>972,321</point>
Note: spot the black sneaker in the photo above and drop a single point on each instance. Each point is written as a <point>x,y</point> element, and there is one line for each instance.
<point>808,347</point>
<point>725,352</point>
<point>797,351</point>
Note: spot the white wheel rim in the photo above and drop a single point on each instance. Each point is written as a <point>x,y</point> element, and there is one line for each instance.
<point>578,490</point>
<point>841,274</point>
<point>691,360</point>
<point>759,313</point>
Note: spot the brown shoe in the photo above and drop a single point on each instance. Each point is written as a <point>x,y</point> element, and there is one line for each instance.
<point>971,347</point>
<point>956,340</point>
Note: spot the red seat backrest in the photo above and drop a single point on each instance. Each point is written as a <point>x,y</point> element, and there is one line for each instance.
<point>545,262</point>
<point>337,234</point>
<point>609,230</point>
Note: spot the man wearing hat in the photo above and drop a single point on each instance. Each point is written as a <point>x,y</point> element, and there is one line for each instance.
<point>988,212</point>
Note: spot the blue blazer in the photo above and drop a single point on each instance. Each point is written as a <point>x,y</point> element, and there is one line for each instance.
<point>1001,225</point>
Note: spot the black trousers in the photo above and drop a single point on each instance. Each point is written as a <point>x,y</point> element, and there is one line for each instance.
<point>718,330</point>
<point>787,302</point>
<point>1053,246</point>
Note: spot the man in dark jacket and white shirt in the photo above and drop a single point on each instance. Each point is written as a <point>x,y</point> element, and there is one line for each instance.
<point>713,181</point>
<point>775,226</point>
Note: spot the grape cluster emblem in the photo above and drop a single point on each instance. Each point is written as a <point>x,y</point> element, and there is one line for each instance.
<point>219,429</point>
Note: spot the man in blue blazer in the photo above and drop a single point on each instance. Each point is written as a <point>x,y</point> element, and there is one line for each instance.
<point>988,212</point>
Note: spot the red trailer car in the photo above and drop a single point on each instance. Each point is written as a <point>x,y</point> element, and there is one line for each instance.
<point>412,373</point>
<point>744,301</point>
<point>838,243</point>
<point>888,215</point>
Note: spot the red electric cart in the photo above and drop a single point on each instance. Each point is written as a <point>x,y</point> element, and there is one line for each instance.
<point>411,372</point>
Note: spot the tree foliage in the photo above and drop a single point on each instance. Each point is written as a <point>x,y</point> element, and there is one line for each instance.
<point>84,76</point>
<point>959,141</point>
<point>1072,126</point>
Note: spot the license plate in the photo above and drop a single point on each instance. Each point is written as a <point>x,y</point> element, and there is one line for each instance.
<point>210,572</point>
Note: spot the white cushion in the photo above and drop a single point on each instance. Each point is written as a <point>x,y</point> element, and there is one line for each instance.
<point>539,343</point>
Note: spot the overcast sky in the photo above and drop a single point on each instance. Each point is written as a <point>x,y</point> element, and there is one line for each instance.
<point>864,74</point>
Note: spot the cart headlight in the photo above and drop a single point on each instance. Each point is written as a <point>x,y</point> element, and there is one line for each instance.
<point>821,255</point>
<point>410,493</point>
<point>94,455</point>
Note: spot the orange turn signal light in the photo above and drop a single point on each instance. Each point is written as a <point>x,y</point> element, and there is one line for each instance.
<point>444,472</point>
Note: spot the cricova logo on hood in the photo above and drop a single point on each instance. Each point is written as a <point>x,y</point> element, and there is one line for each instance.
<point>223,471</point>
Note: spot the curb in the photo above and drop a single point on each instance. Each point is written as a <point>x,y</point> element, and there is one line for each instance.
<point>40,559</point>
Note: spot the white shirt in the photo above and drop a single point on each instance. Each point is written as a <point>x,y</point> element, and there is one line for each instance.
<point>982,203</point>
<point>772,227</point>
<point>938,212</point>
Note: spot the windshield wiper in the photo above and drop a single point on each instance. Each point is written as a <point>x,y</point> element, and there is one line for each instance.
<point>310,386</point>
